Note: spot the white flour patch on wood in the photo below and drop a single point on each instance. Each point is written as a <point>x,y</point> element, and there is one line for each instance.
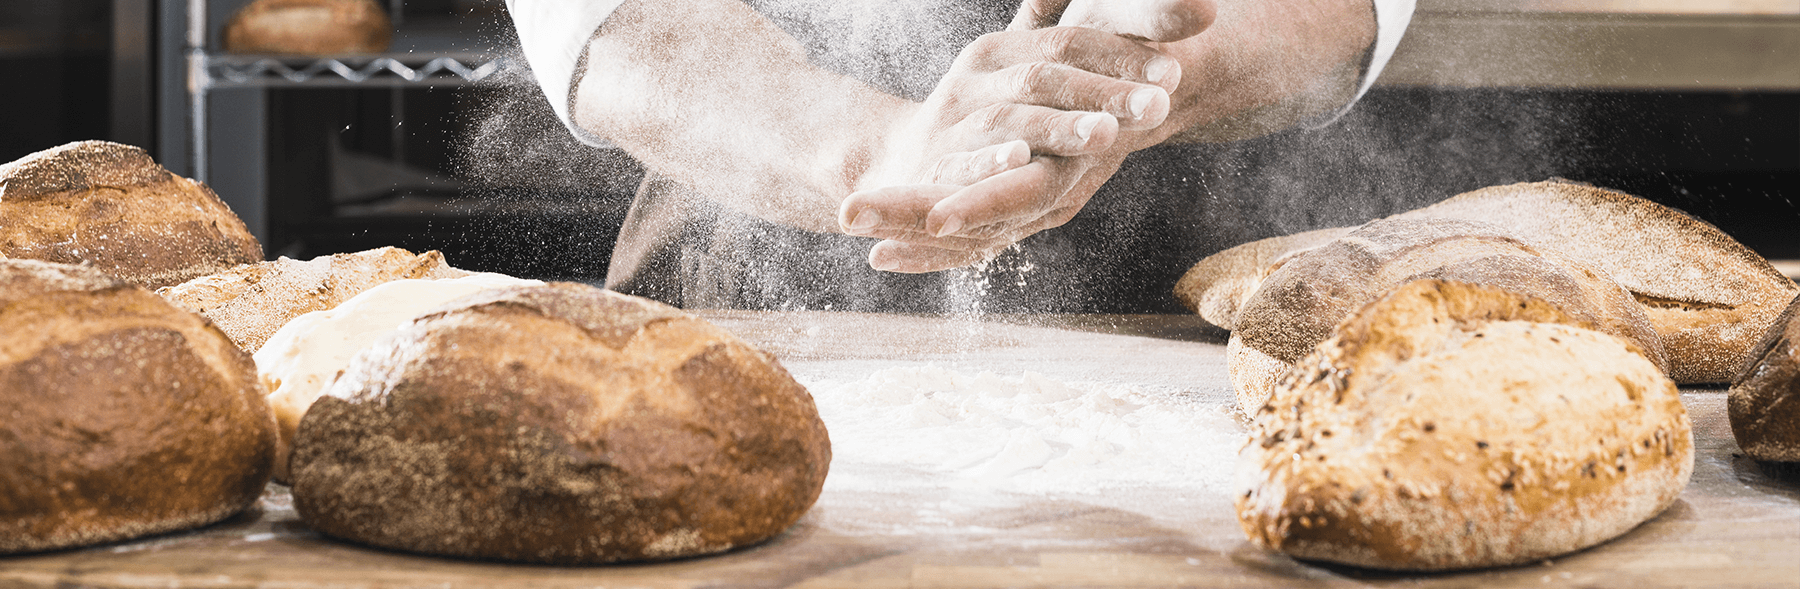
<point>934,426</point>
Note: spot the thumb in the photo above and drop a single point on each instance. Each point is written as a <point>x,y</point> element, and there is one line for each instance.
<point>1150,20</point>
<point>1038,14</point>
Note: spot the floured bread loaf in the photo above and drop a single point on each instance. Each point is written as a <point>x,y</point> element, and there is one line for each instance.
<point>560,424</point>
<point>120,415</point>
<point>307,353</point>
<point>1450,426</point>
<point>1709,297</point>
<point>1219,285</point>
<point>1764,402</point>
<point>1302,300</point>
<point>111,206</point>
<point>250,302</point>
<point>309,27</point>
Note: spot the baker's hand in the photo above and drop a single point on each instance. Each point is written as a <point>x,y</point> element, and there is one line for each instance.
<point>1043,157</point>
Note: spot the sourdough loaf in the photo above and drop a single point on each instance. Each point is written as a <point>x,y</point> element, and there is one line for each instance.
<point>309,27</point>
<point>1450,426</point>
<point>124,416</point>
<point>111,206</point>
<point>1764,401</point>
<point>560,424</point>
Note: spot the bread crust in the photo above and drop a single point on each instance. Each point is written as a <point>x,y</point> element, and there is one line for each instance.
<point>309,27</point>
<point>127,416</point>
<point>1764,402</point>
<point>560,424</point>
<point>251,302</point>
<point>1451,426</point>
<point>110,206</point>
<point>1218,285</point>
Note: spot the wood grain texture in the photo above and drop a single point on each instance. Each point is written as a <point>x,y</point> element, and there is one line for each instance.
<point>1738,523</point>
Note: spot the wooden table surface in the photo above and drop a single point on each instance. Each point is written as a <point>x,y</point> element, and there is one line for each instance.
<point>1737,524</point>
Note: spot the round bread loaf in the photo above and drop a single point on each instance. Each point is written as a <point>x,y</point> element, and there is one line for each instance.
<point>111,206</point>
<point>252,301</point>
<point>1764,402</point>
<point>1451,426</point>
<point>124,416</point>
<point>1217,286</point>
<point>309,27</point>
<point>559,424</point>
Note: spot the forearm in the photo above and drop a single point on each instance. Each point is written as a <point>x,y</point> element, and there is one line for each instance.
<point>713,95</point>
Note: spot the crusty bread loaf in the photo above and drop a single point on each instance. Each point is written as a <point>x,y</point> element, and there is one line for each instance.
<point>1217,286</point>
<point>1301,301</point>
<point>252,301</point>
<point>120,415</point>
<point>1709,297</point>
<point>111,206</point>
<point>1450,426</point>
<point>309,27</point>
<point>1764,402</point>
<point>560,424</point>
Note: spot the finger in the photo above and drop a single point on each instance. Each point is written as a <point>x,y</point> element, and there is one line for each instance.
<point>1044,130</point>
<point>1037,14</point>
<point>1083,48</point>
<point>1009,198</point>
<point>968,167</point>
<point>1136,106</point>
<point>893,256</point>
<point>890,209</point>
<point>1150,20</point>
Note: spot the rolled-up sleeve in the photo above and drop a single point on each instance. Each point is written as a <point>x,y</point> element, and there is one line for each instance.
<point>1391,20</point>
<point>553,34</point>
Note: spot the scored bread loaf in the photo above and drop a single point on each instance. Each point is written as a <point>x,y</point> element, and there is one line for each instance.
<point>252,301</point>
<point>111,206</point>
<point>1764,401</point>
<point>1217,286</point>
<point>1451,426</point>
<point>559,424</point>
<point>120,415</point>
<point>309,27</point>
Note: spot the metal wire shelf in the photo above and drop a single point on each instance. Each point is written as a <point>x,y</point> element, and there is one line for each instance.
<point>232,71</point>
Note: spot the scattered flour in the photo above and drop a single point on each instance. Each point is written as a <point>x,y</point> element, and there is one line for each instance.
<point>929,425</point>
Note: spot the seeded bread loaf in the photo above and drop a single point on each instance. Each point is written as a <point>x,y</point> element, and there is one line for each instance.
<point>1452,426</point>
<point>1764,402</point>
<point>110,206</point>
<point>560,424</point>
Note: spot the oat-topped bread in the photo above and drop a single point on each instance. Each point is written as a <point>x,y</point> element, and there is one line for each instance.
<point>1302,300</point>
<point>252,301</point>
<point>1217,286</point>
<point>111,206</point>
<point>1709,297</point>
<point>1764,402</point>
<point>560,424</point>
<point>120,415</point>
<point>1452,426</point>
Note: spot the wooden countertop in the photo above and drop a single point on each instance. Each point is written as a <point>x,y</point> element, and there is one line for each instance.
<point>1737,524</point>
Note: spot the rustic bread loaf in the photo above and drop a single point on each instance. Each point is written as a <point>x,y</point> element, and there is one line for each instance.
<point>251,301</point>
<point>1764,402</point>
<point>111,206</point>
<point>1709,297</point>
<point>1302,300</point>
<point>309,27</point>
<point>1450,426</point>
<point>120,415</point>
<point>560,424</point>
<point>1217,286</point>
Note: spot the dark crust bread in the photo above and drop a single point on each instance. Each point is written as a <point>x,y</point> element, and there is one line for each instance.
<point>126,416</point>
<point>1218,285</point>
<point>1453,426</point>
<point>1764,402</point>
<point>309,27</point>
<point>110,206</point>
<point>251,302</point>
<point>560,424</point>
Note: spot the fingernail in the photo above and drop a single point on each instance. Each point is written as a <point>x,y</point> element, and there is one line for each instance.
<point>951,225</point>
<point>1157,68</point>
<point>1140,100</point>
<point>1010,151</point>
<point>883,264</point>
<point>864,221</point>
<point>1085,126</point>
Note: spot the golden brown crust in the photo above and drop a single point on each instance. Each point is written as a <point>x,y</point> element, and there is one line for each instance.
<point>1450,426</point>
<point>311,27</point>
<point>110,206</point>
<point>560,424</point>
<point>128,417</point>
<point>251,302</point>
<point>1764,402</point>
<point>1218,285</point>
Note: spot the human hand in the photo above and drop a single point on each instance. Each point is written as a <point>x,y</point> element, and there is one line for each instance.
<point>1037,167</point>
